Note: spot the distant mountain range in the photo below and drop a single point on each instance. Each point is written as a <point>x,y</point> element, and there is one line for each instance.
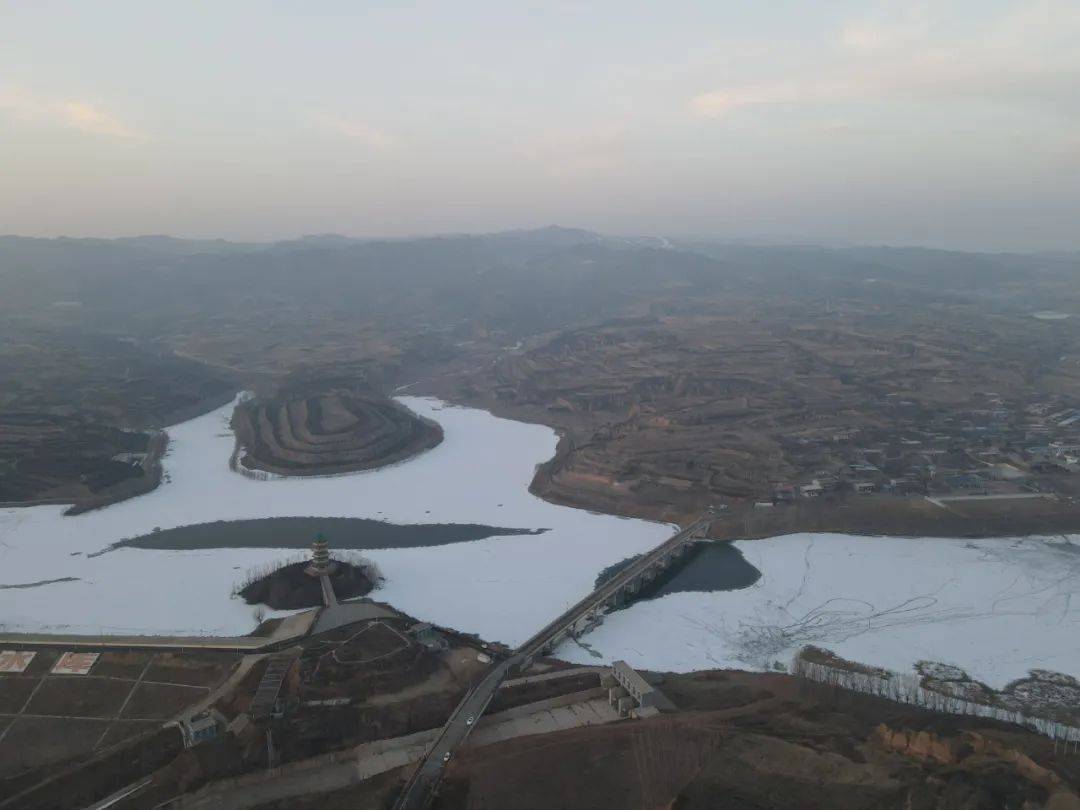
<point>519,281</point>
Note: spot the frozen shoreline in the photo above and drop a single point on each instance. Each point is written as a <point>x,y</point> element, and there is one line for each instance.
<point>480,473</point>
<point>996,607</point>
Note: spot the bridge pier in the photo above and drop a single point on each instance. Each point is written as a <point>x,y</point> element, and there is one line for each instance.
<point>587,623</point>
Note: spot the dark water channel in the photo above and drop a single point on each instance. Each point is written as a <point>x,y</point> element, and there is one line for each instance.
<point>707,567</point>
<point>298,532</point>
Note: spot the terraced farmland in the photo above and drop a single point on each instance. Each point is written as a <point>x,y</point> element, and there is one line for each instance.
<point>329,433</point>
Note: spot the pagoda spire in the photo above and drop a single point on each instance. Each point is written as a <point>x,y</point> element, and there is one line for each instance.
<point>320,554</point>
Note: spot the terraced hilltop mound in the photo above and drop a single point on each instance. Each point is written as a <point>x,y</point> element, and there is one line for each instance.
<point>329,433</point>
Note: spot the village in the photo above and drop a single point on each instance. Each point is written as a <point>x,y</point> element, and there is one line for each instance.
<point>1002,450</point>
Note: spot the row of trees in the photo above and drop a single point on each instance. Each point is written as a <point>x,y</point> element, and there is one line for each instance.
<point>262,475</point>
<point>257,572</point>
<point>357,560</point>
<point>906,688</point>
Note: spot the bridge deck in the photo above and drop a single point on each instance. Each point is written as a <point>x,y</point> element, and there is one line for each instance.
<point>609,589</point>
<point>420,789</point>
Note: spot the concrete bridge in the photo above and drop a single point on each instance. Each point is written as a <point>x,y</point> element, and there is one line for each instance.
<point>618,590</point>
<point>582,617</point>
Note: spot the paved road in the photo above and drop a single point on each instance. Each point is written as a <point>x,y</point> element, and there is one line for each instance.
<point>291,628</point>
<point>553,675</point>
<point>329,772</point>
<point>239,643</point>
<point>121,794</point>
<point>328,596</point>
<point>420,789</point>
<point>418,792</point>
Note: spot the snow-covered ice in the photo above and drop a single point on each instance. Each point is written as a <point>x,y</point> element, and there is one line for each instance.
<point>502,588</point>
<point>995,607</point>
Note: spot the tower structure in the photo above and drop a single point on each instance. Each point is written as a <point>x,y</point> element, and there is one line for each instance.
<point>320,555</point>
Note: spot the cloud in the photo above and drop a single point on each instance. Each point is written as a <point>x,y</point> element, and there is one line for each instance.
<point>82,116</point>
<point>840,129</point>
<point>863,37</point>
<point>1024,58</point>
<point>88,118</point>
<point>580,151</point>
<point>720,102</point>
<point>1068,154</point>
<point>714,104</point>
<point>930,77</point>
<point>357,130</point>
<point>906,27</point>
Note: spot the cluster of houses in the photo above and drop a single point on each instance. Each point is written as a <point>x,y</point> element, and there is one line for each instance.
<point>785,492</point>
<point>1058,433</point>
<point>990,449</point>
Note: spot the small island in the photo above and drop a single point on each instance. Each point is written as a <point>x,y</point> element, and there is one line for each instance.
<point>300,584</point>
<point>326,434</point>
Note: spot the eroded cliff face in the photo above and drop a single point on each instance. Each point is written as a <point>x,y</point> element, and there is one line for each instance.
<point>974,752</point>
<point>770,741</point>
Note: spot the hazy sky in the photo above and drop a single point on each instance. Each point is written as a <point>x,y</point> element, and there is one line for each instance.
<point>940,123</point>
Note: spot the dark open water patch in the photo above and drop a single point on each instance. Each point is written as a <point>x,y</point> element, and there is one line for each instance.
<point>298,532</point>
<point>708,567</point>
